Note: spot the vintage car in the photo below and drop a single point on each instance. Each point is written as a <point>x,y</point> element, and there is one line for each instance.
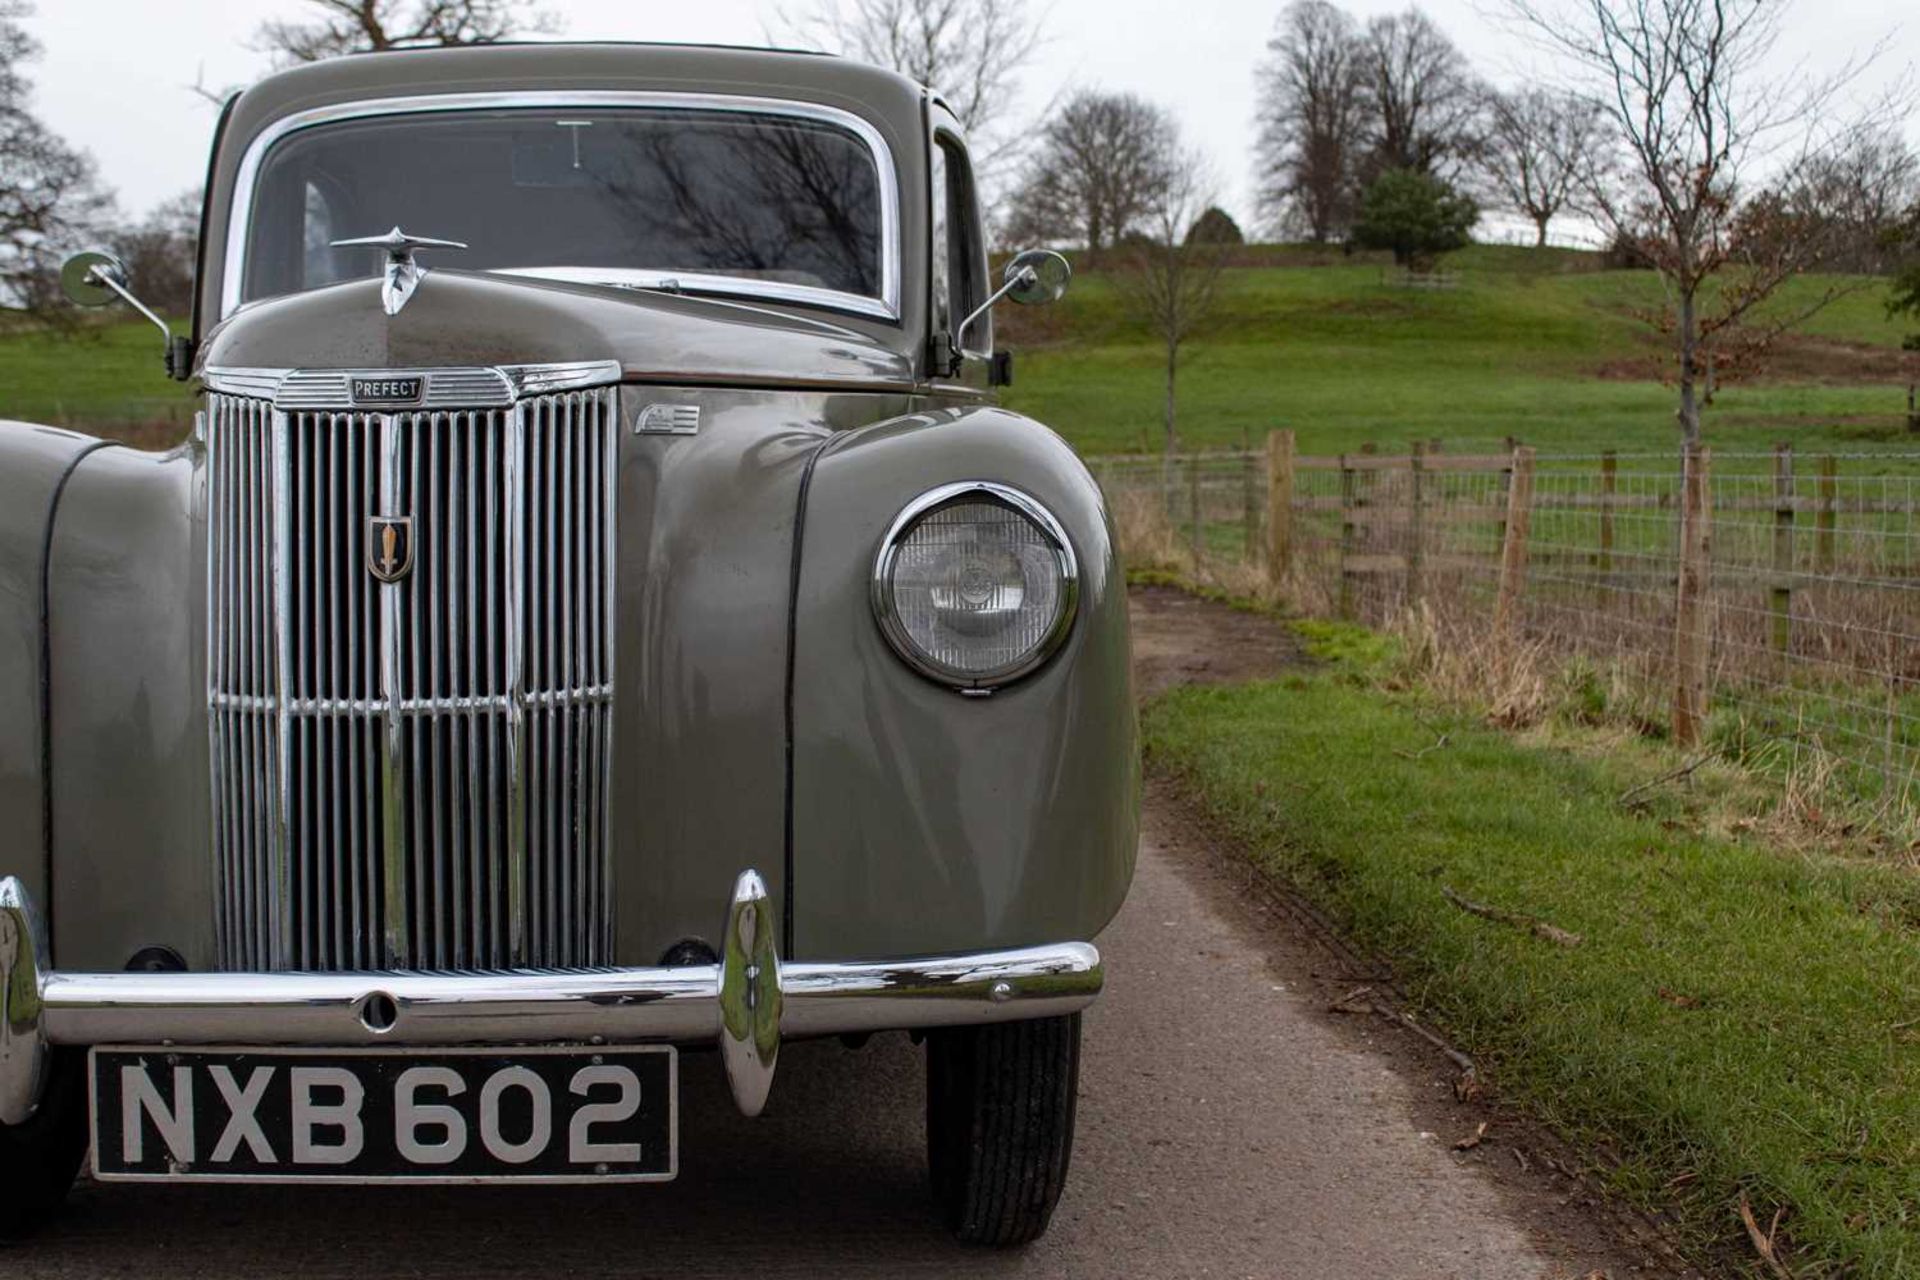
<point>600,612</point>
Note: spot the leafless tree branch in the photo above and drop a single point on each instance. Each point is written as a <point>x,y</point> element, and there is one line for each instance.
<point>1691,94</point>
<point>359,26</point>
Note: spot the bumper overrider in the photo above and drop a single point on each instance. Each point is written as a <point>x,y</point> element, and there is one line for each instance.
<point>745,1004</point>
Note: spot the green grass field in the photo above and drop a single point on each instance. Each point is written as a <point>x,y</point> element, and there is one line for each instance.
<point>1534,344</point>
<point>1530,344</point>
<point>1737,1020</point>
<point>107,380</point>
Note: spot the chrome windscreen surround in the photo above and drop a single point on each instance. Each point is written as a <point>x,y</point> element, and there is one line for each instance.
<point>895,631</point>
<point>458,387</point>
<point>887,306</point>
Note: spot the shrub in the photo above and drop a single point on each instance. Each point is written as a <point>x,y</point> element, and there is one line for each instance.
<point>1415,215</point>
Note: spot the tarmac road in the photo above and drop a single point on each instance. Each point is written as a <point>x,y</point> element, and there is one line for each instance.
<point>1228,1127</point>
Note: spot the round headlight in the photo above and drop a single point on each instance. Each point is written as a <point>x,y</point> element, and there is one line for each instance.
<point>975,584</point>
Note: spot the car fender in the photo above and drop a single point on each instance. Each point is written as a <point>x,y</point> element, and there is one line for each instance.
<point>36,463</point>
<point>924,820</point>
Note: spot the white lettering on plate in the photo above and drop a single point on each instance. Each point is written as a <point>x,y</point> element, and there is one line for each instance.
<point>140,1100</point>
<point>581,1148</point>
<point>541,1128</point>
<point>309,1115</point>
<point>242,1124</point>
<point>410,1115</point>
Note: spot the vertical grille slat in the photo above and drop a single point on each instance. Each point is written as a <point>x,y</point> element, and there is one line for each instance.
<point>411,775</point>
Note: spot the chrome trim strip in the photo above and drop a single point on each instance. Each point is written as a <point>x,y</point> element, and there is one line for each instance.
<point>280,850</point>
<point>882,597</point>
<point>448,387</point>
<point>515,678</point>
<point>750,991</point>
<point>260,384</point>
<point>701,283</point>
<point>396,936</point>
<point>247,176</point>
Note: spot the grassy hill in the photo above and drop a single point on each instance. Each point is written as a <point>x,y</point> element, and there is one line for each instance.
<point>1535,344</point>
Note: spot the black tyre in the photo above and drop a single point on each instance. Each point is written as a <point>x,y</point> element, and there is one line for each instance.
<point>39,1159</point>
<point>1000,1103</point>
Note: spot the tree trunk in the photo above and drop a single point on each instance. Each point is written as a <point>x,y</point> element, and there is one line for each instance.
<point>1688,340</point>
<point>1173,362</point>
<point>1540,232</point>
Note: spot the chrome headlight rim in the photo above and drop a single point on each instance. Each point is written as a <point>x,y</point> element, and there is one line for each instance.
<point>946,495</point>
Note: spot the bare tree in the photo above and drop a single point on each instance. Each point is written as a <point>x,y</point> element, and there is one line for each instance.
<point>1098,166</point>
<point>1422,102</point>
<point>1171,279</point>
<point>49,196</point>
<point>1538,148</point>
<point>1309,119</point>
<point>159,253</point>
<point>1858,194</point>
<point>972,52</point>
<point>1686,87</point>
<point>360,26</point>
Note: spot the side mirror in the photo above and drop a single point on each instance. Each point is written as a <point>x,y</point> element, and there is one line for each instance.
<point>94,278</point>
<point>1037,277</point>
<point>1033,277</point>
<point>84,278</point>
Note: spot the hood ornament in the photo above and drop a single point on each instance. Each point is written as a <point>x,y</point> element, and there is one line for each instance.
<point>403,273</point>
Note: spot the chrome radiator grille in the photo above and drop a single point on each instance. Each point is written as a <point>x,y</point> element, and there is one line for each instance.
<point>412,774</point>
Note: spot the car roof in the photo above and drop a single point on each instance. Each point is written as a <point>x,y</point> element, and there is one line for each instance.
<point>894,105</point>
<point>506,66</point>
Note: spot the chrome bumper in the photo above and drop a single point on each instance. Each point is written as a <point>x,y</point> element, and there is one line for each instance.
<point>746,1004</point>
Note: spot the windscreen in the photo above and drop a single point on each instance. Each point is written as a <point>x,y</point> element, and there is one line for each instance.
<point>767,201</point>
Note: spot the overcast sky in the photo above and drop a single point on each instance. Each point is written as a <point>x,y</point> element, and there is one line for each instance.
<point>116,74</point>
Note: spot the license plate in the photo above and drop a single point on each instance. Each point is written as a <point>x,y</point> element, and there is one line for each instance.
<point>372,1115</point>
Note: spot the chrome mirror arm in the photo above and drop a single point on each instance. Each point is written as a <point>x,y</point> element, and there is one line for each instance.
<point>1036,276</point>
<point>94,278</point>
<point>1025,277</point>
<point>100,274</point>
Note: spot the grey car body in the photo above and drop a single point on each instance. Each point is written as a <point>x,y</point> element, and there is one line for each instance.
<point>753,712</point>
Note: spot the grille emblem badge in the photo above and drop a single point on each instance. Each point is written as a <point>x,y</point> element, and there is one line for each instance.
<point>390,547</point>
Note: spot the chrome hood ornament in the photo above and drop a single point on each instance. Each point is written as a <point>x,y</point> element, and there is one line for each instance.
<point>403,273</point>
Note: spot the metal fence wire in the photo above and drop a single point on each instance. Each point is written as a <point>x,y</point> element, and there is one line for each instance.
<point>1775,601</point>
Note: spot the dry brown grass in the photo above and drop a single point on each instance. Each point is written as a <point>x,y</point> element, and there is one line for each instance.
<point>1150,543</point>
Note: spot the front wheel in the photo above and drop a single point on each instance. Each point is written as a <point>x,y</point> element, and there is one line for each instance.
<point>1000,1104</point>
<point>39,1159</point>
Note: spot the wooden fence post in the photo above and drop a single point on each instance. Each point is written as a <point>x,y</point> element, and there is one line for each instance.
<point>1690,651</point>
<point>1824,520</point>
<point>1249,509</point>
<point>1513,542</point>
<point>1197,529</point>
<point>1349,534</point>
<point>1279,507</point>
<point>1782,593</point>
<point>1416,501</point>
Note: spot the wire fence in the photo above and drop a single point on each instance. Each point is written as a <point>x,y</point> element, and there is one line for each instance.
<point>1763,603</point>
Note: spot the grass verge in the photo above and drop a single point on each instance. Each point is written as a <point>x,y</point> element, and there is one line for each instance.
<point>1736,1023</point>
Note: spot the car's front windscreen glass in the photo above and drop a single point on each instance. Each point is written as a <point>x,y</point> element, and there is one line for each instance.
<point>727,201</point>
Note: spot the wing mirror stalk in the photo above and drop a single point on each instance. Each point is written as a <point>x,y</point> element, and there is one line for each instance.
<point>94,278</point>
<point>1035,277</point>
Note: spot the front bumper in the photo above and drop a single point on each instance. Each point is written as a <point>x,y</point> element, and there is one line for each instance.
<point>746,1004</point>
